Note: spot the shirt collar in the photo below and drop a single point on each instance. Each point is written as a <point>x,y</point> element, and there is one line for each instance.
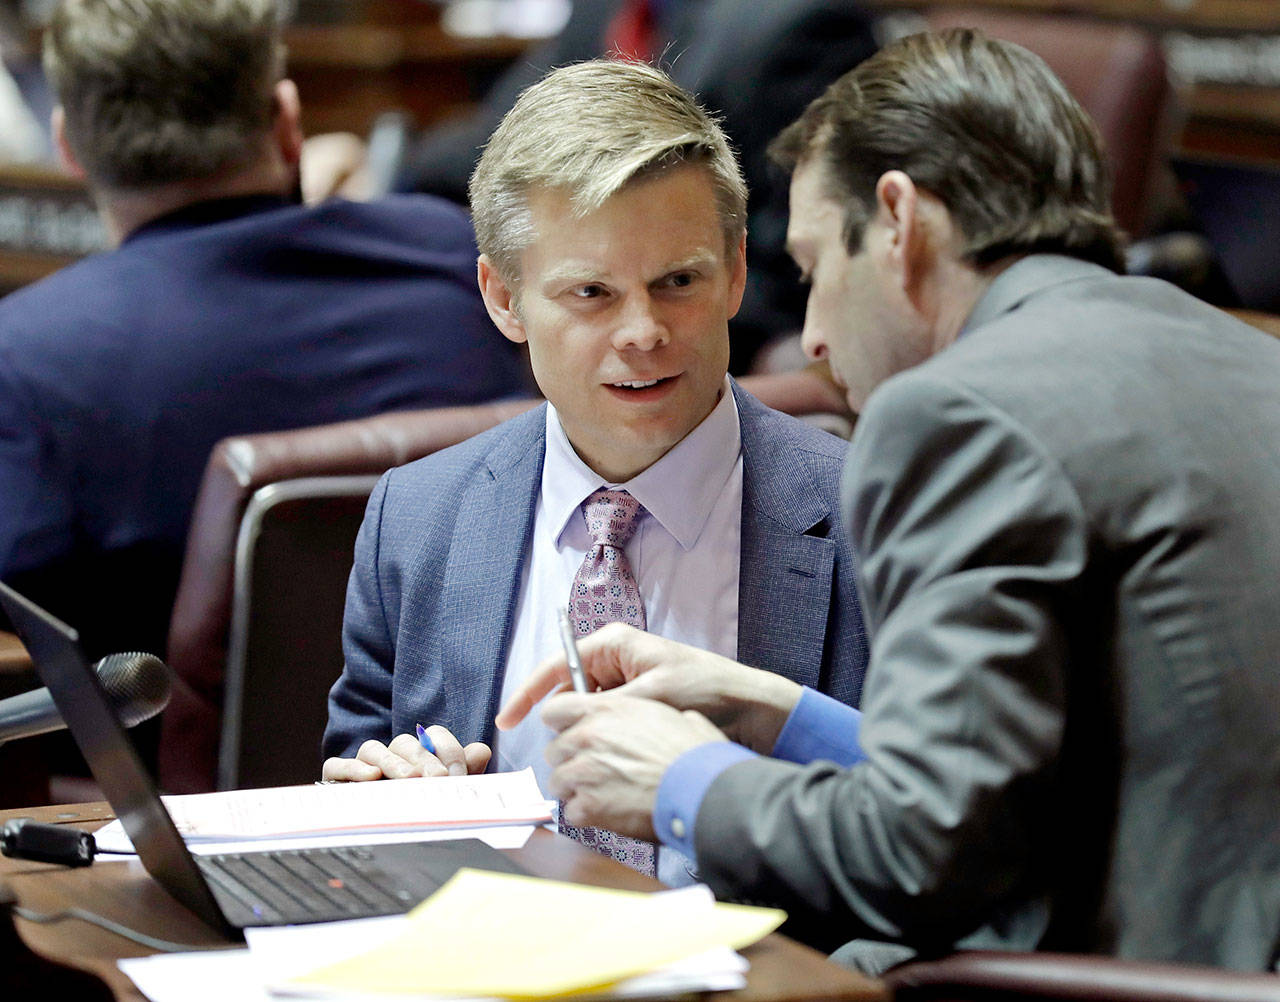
<point>215,210</point>
<point>679,490</point>
<point>1022,280</point>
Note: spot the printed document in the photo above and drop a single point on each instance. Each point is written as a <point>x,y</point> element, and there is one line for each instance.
<point>364,811</point>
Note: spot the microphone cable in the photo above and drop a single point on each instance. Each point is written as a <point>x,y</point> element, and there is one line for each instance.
<point>22,838</point>
<point>9,901</point>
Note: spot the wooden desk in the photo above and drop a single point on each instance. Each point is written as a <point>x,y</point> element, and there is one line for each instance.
<point>781,969</point>
<point>1268,322</point>
<point>14,659</point>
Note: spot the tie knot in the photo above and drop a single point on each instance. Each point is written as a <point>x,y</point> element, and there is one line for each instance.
<point>611,517</point>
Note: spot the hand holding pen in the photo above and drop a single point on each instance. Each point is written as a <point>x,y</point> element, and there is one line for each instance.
<point>439,744</point>
<point>431,751</point>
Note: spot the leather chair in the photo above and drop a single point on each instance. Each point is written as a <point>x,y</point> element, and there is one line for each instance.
<point>255,638</point>
<point>284,650</point>
<point>263,583</point>
<point>1116,71</point>
<point>994,976</point>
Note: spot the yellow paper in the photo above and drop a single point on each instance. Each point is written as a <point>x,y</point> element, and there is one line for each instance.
<point>486,933</point>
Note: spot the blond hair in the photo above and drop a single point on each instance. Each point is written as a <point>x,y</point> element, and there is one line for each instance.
<point>590,129</point>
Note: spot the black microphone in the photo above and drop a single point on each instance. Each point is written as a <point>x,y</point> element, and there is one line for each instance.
<point>137,686</point>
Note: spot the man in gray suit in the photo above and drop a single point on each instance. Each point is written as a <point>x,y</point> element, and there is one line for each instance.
<point>610,215</point>
<point>1063,490</point>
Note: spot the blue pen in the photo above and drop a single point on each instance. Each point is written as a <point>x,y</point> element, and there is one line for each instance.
<point>424,739</point>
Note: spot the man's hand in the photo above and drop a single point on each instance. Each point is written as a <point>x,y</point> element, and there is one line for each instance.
<point>748,704</point>
<point>612,753</point>
<point>405,758</point>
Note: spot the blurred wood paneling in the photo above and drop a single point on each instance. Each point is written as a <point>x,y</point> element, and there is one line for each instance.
<point>1225,55</point>
<point>397,57</point>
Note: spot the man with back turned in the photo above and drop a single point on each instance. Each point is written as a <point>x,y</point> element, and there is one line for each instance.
<point>227,308</point>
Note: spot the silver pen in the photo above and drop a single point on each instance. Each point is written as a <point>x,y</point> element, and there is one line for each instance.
<point>571,653</point>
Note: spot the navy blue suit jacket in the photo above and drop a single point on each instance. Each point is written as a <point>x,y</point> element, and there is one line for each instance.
<point>431,603</point>
<point>120,373</point>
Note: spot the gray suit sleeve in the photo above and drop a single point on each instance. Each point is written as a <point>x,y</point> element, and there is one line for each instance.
<point>972,545</point>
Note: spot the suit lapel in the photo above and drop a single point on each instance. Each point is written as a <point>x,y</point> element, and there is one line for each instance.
<point>486,558</point>
<point>785,572</point>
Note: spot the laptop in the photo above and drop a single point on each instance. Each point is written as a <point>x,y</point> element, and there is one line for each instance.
<point>233,891</point>
<point>1237,204</point>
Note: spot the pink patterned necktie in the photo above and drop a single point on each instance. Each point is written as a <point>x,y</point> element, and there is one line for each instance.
<point>604,591</point>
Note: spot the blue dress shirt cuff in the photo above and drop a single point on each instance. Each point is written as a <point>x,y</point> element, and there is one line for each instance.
<point>683,786</point>
<point>820,729</point>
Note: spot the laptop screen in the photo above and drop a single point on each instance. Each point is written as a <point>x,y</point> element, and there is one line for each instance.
<point>84,705</point>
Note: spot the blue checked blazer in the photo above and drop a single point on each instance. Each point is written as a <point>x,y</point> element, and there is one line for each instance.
<point>432,597</point>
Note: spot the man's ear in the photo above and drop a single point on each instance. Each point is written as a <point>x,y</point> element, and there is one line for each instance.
<point>500,301</point>
<point>66,156</point>
<point>907,245</point>
<point>287,127</point>
<point>737,276</point>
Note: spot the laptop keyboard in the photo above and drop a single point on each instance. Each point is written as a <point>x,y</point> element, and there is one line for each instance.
<point>305,885</point>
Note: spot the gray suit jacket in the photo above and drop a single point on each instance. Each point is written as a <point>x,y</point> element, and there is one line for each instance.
<point>432,597</point>
<point>1071,573</point>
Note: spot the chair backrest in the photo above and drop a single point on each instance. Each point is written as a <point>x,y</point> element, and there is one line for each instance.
<point>1116,71</point>
<point>284,647</point>
<point>237,536</point>
<point>995,976</point>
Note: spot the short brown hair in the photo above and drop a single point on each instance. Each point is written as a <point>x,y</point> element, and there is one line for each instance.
<point>589,129</point>
<point>156,91</point>
<point>983,125</point>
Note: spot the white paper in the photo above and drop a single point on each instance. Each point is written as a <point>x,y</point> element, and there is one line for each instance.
<point>205,976</point>
<point>368,811</point>
<point>277,953</point>
<point>113,836</point>
<point>333,808</point>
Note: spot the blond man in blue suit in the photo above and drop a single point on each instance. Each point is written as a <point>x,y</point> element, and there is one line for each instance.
<point>610,215</point>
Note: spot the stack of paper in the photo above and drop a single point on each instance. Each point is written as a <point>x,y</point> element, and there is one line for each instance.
<point>484,935</point>
<point>363,812</point>
<point>498,934</point>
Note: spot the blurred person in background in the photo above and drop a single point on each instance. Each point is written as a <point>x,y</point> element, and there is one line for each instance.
<point>226,307</point>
